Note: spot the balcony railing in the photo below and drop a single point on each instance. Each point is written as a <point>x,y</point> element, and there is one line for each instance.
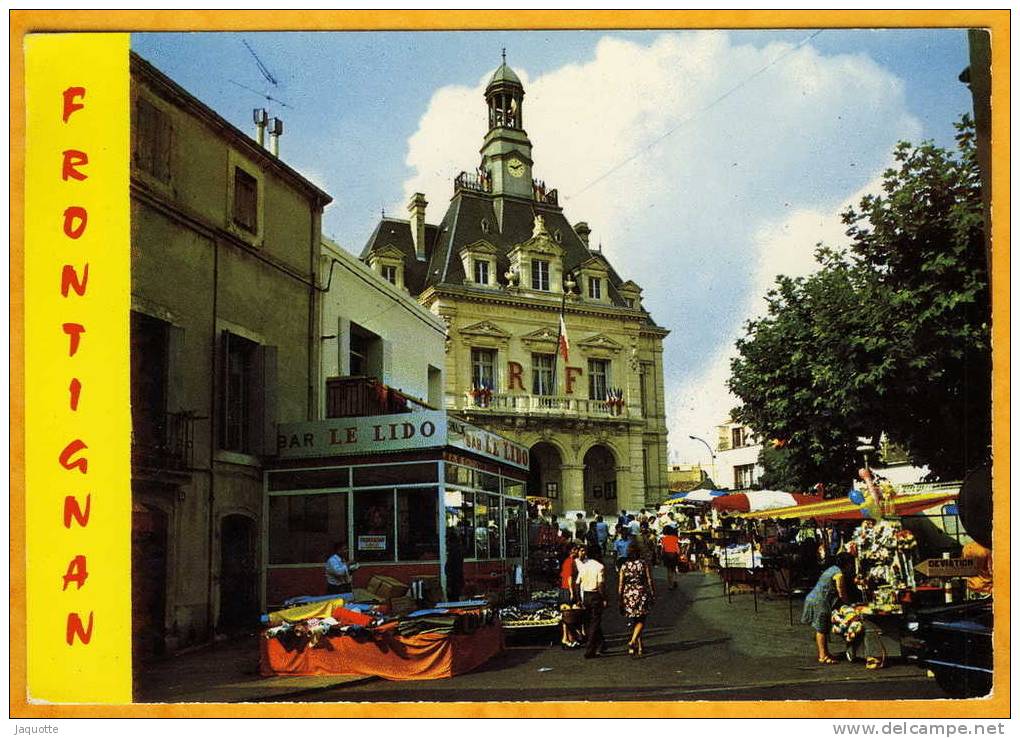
<point>475,182</point>
<point>547,405</point>
<point>351,397</point>
<point>165,442</point>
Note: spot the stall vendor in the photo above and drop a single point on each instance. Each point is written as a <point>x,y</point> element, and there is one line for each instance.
<point>980,583</point>
<point>338,572</point>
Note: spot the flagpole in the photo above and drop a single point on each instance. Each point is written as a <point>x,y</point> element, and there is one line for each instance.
<point>559,339</point>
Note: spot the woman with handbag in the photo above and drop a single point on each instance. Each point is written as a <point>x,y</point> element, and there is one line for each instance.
<point>637,595</point>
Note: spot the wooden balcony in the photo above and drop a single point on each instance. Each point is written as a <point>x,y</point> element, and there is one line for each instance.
<point>352,397</point>
<point>547,406</point>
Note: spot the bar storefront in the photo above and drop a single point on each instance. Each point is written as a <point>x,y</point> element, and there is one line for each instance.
<point>389,487</point>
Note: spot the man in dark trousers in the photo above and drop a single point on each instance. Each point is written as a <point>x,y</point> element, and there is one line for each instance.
<point>591,582</point>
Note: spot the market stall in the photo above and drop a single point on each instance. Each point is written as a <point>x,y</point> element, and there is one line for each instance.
<point>337,637</point>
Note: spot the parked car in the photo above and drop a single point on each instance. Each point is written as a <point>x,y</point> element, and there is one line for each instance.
<point>954,642</point>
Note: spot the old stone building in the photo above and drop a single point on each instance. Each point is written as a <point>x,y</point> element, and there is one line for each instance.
<point>224,330</point>
<point>501,268</point>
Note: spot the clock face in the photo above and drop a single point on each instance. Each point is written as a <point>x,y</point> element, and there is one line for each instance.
<point>515,167</point>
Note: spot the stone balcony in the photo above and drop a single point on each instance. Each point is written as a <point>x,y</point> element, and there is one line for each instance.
<point>548,406</point>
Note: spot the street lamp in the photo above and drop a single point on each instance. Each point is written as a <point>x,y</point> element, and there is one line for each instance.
<point>710,453</point>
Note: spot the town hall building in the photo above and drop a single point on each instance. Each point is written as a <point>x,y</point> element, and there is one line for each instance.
<point>501,268</point>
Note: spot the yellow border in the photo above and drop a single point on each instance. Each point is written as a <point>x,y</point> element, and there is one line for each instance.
<point>996,21</point>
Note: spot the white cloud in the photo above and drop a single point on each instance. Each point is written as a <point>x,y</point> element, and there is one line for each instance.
<point>723,175</point>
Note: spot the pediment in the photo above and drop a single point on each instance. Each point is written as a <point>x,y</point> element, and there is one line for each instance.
<point>542,245</point>
<point>479,247</point>
<point>597,263</point>
<point>547,334</point>
<point>389,251</point>
<point>630,286</point>
<point>600,342</point>
<point>484,328</point>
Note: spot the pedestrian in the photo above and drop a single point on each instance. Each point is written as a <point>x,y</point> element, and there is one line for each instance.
<point>670,547</point>
<point>633,525</point>
<point>568,595</point>
<point>580,527</point>
<point>637,595</point>
<point>591,541</point>
<point>646,544</point>
<point>621,519</point>
<point>830,589</point>
<point>592,584</point>
<point>454,565</point>
<point>602,530</point>
<point>338,572</point>
<point>621,544</point>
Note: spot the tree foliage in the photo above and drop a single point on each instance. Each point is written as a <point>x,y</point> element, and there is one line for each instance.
<point>889,334</point>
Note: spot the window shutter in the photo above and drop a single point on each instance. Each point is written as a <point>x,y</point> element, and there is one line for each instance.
<point>175,363</point>
<point>264,410</point>
<point>223,404</point>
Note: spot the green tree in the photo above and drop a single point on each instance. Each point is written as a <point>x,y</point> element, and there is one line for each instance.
<point>890,334</point>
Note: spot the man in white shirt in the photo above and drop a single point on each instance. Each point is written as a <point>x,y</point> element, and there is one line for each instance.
<point>592,585</point>
<point>338,572</point>
<point>634,525</point>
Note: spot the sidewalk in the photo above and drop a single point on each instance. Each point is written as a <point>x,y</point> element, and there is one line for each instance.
<point>224,672</point>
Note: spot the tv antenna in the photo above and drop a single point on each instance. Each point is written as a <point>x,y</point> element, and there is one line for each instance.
<point>262,67</point>
<point>265,95</point>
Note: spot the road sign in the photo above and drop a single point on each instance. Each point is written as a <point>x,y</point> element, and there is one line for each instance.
<point>948,568</point>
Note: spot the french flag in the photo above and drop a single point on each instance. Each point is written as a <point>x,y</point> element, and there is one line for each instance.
<point>564,342</point>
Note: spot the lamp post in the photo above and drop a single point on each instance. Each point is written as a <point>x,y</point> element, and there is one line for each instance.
<point>710,453</point>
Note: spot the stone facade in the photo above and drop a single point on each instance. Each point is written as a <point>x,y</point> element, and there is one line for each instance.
<point>502,269</point>
<point>224,255</point>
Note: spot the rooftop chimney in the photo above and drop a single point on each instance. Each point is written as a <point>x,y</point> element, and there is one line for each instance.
<point>261,118</point>
<point>417,209</point>
<point>583,231</point>
<point>275,131</point>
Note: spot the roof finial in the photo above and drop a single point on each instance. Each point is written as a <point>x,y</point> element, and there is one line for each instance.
<point>504,55</point>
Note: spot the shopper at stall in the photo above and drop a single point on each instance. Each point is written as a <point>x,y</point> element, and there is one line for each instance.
<point>637,594</point>
<point>669,544</point>
<point>591,583</point>
<point>831,589</point>
<point>338,572</point>
<point>568,595</point>
<point>454,565</point>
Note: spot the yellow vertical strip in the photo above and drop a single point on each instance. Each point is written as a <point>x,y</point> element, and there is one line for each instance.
<point>96,666</point>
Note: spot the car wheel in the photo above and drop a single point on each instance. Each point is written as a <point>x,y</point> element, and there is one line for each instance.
<point>963,683</point>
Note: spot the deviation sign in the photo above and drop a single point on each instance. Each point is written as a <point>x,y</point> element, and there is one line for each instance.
<point>948,567</point>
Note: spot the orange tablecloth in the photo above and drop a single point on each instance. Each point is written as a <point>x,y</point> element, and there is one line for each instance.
<point>424,656</point>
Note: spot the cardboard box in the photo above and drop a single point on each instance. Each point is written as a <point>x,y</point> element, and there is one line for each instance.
<point>386,587</point>
<point>402,605</point>
<point>363,595</point>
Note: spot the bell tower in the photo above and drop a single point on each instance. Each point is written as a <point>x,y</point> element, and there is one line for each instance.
<point>506,150</point>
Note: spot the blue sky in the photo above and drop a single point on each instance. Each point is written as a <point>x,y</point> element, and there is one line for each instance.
<point>731,153</point>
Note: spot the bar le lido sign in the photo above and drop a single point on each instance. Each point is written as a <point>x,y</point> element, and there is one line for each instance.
<point>382,433</point>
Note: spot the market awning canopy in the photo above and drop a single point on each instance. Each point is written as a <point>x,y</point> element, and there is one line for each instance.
<point>697,495</point>
<point>845,509</point>
<point>761,500</point>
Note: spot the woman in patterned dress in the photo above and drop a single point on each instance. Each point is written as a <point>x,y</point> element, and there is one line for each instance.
<point>637,593</point>
<point>822,600</point>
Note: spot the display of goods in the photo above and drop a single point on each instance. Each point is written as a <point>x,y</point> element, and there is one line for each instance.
<point>529,614</point>
<point>847,622</point>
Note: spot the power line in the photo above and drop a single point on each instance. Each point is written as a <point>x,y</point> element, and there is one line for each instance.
<point>694,115</point>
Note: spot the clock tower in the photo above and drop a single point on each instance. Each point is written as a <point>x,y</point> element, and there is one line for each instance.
<point>506,150</point>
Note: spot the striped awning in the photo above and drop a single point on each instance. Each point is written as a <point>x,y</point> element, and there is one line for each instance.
<point>845,509</point>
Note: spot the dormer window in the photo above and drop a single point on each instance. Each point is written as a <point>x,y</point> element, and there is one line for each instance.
<point>389,273</point>
<point>595,288</point>
<point>482,271</point>
<point>540,275</point>
<point>388,263</point>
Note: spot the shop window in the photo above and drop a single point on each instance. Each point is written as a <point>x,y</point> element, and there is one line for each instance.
<point>595,288</point>
<point>483,368</point>
<point>373,526</point>
<point>598,378</point>
<point>246,200</point>
<point>460,475</point>
<point>418,524</point>
<point>460,517</point>
<point>513,487</point>
<point>513,527</point>
<point>309,479</point>
<point>540,275</point>
<point>152,140</point>
<point>542,374</point>
<point>393,474</point>
<point>743,476</point>
<point>303,528</point>
<point>487,526</point>
<point>481,271</point>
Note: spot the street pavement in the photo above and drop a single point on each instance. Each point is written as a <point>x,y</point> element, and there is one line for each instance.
<point>699,645</point>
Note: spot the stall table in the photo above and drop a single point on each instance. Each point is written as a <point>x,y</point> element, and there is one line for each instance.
<point>387,655</point>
